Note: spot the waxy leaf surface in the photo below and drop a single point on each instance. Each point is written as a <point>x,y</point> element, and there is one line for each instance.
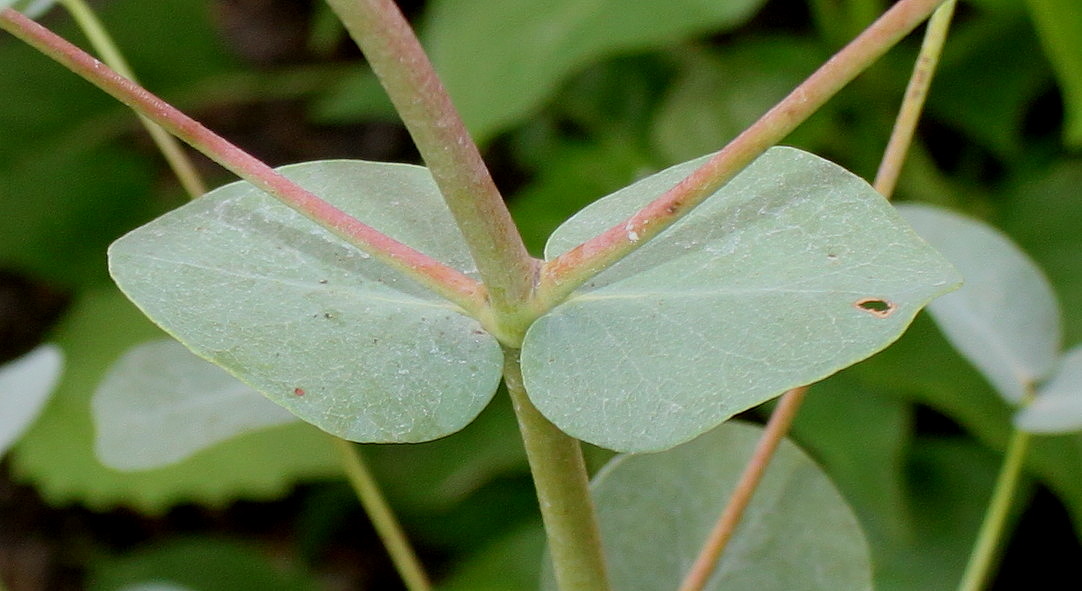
<point>656,510</point>
<point>160,404</point>
<point>338,338</point>
<point>25,386</point>
<point>792,271</point>
<point>57,454</point>
<point>1057,408</point>
<point>1005,319</point>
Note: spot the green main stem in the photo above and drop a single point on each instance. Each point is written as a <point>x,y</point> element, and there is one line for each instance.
<point>397,58</point>
<point>563,491</point>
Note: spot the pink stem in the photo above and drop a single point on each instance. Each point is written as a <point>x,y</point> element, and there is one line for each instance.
<point>445,281</point>
<point>566,272</point>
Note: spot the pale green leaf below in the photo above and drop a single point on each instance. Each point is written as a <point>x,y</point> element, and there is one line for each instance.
<point>31,8</point>
<point>25,386</point>
<point>1058,24</point>
<point>57,455</point>
<point>160,404</point>
<point>1057,408</point>
<point>792,271</point>
<point>1005,319</point>
<point>551,40</point>
<point>656,510</point>
<point>338,338</point>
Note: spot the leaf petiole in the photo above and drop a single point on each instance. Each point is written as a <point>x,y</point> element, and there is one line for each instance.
<point>449,283</point>
<point>562,275</point>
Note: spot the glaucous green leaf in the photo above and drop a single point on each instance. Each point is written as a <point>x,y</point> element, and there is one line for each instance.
<point>1058,24</point>
<point>656,510</point>
<point>792,271</point>
<point>57,454</point>
<point>31,8</point>
<point>336,337</point>
<point>1057,407</point>
<point>25,386</point>
<point>528,47</point>
<point>1005,319</point>
<point>160,404</point>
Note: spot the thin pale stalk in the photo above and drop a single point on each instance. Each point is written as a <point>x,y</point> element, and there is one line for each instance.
<point>995,519</point>
<point>784,414</point>
<point>441,279</point>
<point>776,428</point>
<point>565,273</point>
<point>563,491</point>
<point>406,73</point>
<point>886,179</point>
<point>383,518</point>
<point>168,145</point>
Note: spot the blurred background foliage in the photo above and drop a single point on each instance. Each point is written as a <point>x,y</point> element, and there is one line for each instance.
<point>570,100</point>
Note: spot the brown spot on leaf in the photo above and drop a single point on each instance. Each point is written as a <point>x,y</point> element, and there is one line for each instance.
<point>298,391</point>
<point>878,307</point>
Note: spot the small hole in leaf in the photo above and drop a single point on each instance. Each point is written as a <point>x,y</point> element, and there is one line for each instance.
<point>876,306</point>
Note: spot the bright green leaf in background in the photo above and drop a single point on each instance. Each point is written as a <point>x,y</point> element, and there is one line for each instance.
<point>550,40</point>
<point>201,564</point>
<point>1005,319</point>
<point>160,404</point>
<point>1059,23</point>
<point>25,386</point>
<point>57,454</point>
<point>717,95</point>
<point>792,271</point>
<point>656,510</point>
<point>972,59</point>
<point>156,586</point>
<point>1057,408</point>
<point>338,338</point>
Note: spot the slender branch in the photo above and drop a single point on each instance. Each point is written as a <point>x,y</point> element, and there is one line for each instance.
<point>915,93</point>
<point>398,60</point>
<point>563,492</point>
<point>995,520</point>
<point>383,518</point>
<point>445,281</point>
<point>565,273</point>
<point>785,412</point>
<point>776,428</point>
<point>168,145</point>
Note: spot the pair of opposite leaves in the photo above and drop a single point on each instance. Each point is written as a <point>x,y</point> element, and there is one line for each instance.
<point>792,271</point>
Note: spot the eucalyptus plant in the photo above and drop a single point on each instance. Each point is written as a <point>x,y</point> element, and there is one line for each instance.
<point>387,303</point>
